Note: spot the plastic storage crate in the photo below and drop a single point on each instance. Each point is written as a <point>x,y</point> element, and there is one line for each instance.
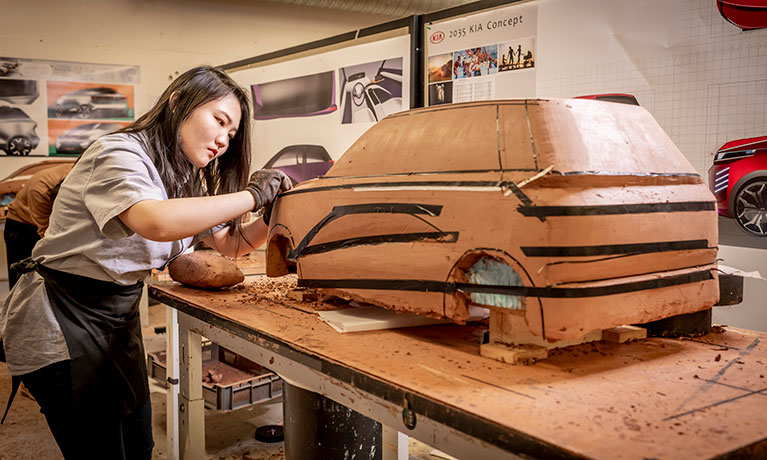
<point>243,382</point>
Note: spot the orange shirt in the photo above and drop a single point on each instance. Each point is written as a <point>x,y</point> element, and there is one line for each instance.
<point>33,203</point>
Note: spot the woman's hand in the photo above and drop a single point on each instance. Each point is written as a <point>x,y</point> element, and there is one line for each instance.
<point>266,184</point>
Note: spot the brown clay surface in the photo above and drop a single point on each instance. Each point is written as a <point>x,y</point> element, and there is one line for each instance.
<point>655,398</point>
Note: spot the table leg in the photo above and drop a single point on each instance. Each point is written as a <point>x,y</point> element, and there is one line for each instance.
<point>171,398</point>
<point>395,444</point>
<point>191,407</point>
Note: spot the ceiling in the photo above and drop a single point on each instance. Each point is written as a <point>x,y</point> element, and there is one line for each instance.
<point>382,7</point>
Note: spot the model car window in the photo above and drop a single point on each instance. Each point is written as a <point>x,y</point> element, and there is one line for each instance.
<point>287,159</point>
<point>597,139</point>
<point>467,138</point>
<point>319,154</point>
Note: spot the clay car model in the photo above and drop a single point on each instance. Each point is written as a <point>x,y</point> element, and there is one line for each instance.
<point>79,138</point>
<point>92,103</point>
<point>301,162</point>
<point>17,132</point>
<point>738,179</point>
<point>582,214</point>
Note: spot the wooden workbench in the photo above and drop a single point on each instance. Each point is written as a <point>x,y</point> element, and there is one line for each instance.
<point>655,398</point>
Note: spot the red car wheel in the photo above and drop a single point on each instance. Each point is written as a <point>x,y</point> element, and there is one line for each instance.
<point>751,207</point>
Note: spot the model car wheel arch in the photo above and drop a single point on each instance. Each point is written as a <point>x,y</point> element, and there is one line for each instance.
<point>279,246</point>
<point>485,277</point>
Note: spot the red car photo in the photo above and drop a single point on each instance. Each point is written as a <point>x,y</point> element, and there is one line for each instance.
<point>738,179</point>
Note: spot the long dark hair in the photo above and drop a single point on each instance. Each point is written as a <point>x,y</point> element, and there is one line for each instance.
<point>161,127</point>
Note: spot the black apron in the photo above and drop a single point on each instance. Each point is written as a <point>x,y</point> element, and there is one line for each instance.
<point>101,325</point>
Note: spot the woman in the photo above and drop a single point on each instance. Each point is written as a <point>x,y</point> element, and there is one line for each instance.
<point>135,200</point>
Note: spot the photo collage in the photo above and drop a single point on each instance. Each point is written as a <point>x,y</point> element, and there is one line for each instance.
<point>448,72</point>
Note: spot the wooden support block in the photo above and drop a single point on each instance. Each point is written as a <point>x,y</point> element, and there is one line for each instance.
<point>513,354</point>
<point>622,334</point>
<point>302,295</point>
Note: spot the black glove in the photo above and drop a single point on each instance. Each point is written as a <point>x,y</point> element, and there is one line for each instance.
<point>265,184</point>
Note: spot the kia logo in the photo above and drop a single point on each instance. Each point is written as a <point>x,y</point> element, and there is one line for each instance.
<point>437,37</point>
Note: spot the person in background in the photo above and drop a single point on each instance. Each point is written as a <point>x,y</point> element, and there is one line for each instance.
<point>134,201</point>
<point>28,214</point>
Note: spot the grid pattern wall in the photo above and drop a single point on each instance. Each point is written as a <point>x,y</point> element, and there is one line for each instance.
<point>705,91</point>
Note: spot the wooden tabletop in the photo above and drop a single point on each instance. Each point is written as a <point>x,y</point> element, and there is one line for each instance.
<point>656,398</point>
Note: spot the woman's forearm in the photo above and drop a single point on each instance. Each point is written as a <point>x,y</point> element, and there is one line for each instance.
<point>238,244</point>
<point>177,218</point>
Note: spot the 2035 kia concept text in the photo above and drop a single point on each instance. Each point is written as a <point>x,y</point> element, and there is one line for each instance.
<point>581,214</point>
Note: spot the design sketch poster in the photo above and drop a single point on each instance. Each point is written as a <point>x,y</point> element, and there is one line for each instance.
<point>57,108</point>
<point>309,110</point>
<point>370,91</point>
<point>489,55</point>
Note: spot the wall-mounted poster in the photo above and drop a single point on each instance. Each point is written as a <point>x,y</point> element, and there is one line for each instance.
<point>309,110</point>
<point>483,56</point>
<point>67,104</point>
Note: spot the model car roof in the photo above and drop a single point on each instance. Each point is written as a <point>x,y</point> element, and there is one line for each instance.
<point>571,135</point>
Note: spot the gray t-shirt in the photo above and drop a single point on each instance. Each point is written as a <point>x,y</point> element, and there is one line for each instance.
<point>86,238</point>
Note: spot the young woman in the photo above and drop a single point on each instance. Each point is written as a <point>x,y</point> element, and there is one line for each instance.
<point>135,200</point>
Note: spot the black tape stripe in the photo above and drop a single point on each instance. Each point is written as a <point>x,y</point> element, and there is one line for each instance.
<point>613,249</point>
<point>440,237</point>
<point>553,292</point>
<point>642,208</point>
<point>368,208</point>
<point>379,284</point>
<point>522,291</point>
<point>405,184</point>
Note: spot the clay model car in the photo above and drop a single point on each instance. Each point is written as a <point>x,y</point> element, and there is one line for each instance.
<point>79,138</point>
<point>582,214</point>
<point>92,103</point>
<point>17,132</point>
<point>301,162</point>
<point>738,179</point>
